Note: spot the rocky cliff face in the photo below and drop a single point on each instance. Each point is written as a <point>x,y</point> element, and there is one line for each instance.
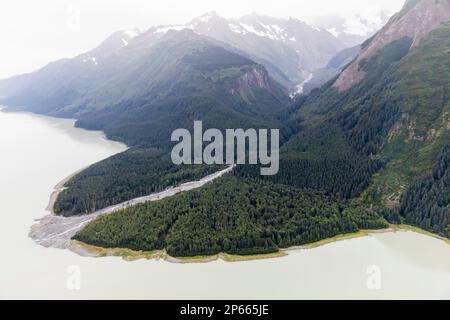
<point>416,20</point>
<point>254,78</point>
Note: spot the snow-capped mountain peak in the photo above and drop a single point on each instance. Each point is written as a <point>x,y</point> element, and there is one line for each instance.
<point>289,48</point>
<point>111,45</point>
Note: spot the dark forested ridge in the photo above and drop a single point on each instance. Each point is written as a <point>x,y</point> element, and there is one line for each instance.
<point>142,94</point>
<point>426,203</point>
<point>232,215</point>
<point>321,159</point>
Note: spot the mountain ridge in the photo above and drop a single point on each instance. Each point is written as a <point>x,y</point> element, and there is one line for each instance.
<point>290,45</point>
<point>290,49</point>
<point>397,114</point>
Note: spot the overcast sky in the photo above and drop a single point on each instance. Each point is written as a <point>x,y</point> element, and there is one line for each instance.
<point>34,33</point>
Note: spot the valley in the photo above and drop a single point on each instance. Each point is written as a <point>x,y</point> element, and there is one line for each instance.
<point>366,150</point>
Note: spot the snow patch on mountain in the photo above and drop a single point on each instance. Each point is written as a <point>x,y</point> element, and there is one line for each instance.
<point>270,31</point>
<point>132,33</point>
<point>334,32</point>
<point>165,29</point>
<point>88,58</point>
<point>237,28</point>
<point>267,33</point>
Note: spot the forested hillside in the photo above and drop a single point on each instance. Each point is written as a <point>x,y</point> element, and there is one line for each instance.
<point>337,148</point>
<point>233,215</point>
<point>321,159</point>
<point>143,92</point>
<point>426,203</point>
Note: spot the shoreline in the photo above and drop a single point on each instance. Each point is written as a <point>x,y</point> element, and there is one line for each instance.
<point>60,188</point>
<point>47,222</point>
<point>129,255</point>
<point>406,227</point>
<point>57,231</point>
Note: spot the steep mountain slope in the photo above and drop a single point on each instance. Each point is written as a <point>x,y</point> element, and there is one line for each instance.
<point>415,21</point>
<point>289,48</point>
<point>182,81</point>
<point>61,83</point>
<point>333,69</point>
<point>390,106</point>
<point>146,89</point>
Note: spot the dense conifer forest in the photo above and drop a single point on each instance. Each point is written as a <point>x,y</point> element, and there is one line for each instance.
<point>426,204</point>
<point>232,215</point>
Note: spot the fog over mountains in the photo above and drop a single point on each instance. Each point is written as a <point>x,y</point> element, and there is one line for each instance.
<point>290,49</point>
<point>355,29</point>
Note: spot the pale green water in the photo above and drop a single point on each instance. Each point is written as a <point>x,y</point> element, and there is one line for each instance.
<point>38,152</point>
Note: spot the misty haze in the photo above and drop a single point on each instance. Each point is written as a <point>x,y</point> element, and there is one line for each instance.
<point>346,191</point>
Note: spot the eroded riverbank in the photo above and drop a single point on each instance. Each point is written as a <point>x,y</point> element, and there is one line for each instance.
<point>57,231</point>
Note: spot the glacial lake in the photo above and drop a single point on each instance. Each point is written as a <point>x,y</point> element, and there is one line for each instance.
<point>38,152</point>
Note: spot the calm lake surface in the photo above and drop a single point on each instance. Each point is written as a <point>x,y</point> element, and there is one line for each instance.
<point>37,152</point>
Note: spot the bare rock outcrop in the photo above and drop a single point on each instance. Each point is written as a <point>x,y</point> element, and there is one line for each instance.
<point>254,78</point>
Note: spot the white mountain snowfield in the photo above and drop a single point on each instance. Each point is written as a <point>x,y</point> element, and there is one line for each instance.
<point>290,49</point>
